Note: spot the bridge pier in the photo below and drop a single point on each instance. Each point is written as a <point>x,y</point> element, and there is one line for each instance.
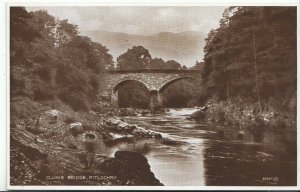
<point>155,100</point>
<point>115,98</point>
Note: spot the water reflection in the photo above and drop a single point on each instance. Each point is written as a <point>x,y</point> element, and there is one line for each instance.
<point>213,155</point>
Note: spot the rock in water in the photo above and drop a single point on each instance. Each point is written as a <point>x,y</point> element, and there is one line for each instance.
<point>131,166</point>
<point>240,135</point>
<point>132,158</point>
<point>123,126</point>
<point>198,115</point>
<point>114,121</point>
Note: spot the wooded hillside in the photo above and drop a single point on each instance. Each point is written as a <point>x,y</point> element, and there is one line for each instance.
<point>49,59</point>
<point>252,54</point>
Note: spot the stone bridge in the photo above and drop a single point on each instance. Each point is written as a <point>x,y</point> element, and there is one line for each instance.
<point>156,80</point>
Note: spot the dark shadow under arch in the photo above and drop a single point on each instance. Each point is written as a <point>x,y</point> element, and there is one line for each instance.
<point>132,93</point>
<point>119,84</point>
<point>162,88</point>
<point>179,94</point>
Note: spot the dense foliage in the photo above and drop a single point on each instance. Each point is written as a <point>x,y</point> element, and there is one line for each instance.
<point>252,54</point>
<point>139,58</point>
<point>49,59</point>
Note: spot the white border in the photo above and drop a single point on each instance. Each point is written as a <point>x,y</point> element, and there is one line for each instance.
<point>5,75</point>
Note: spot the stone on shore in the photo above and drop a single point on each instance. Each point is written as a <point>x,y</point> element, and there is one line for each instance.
<point>76,128</point>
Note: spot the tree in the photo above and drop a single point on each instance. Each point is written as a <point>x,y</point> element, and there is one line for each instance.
<point>198,66</point>
<point>184,67</point>
<point>65,32</point>
<point>246,55</point>
<point>156,63</point>
<point>55,62</point>
<point>171,64</point>
<point>135,58</point>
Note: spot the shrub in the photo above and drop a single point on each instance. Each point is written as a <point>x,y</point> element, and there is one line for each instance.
<point>77,102</point>
<point>23,107</point>
<point>44,72</point>
<point>17,86</point>
<point>41,95</point>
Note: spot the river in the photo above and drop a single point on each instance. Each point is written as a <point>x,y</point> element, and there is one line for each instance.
<point>197,154</point>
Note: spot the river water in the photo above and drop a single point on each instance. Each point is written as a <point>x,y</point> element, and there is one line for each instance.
<point>197,154</point>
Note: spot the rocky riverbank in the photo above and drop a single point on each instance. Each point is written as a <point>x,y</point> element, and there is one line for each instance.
<point>59,147</point>
<point>246,115</point>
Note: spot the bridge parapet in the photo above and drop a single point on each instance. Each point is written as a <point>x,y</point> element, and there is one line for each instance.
<point>172,71</point>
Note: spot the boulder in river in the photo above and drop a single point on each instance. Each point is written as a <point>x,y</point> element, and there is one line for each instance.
<point>123,126</point>
<point>240,135</point>
<point>198,115</point>
<point>262,156</point>
<point>113,121</point>
<point>131,167</point>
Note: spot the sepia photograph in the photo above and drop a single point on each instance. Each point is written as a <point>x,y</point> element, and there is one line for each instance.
<point>152,95</point>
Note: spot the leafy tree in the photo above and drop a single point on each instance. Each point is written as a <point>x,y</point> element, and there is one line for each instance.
<point>156,63</point>
<point>171,64</point>
<point>184,67</point>
<point>65,32</point>
<point>135,58</point>
<point>198,66</point>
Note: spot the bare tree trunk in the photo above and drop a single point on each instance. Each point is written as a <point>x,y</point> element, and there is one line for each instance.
<point>256,73</point>
<point>285,60</point>
<point>276,79</point>
<point>228,89</point>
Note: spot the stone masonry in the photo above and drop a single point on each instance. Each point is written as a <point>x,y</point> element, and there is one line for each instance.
<point>155,81</point>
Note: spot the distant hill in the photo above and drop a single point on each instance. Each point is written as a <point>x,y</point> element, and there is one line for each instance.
<point>185,47</point>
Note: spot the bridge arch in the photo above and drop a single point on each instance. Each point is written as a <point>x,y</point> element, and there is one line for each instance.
<point>171,81</point>
<point>121,82</point>
<point>115,88</point>
<point>155,80</point>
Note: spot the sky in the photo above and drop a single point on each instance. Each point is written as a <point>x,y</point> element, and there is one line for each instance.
<point>144,20</point>
<point>139,20</point>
